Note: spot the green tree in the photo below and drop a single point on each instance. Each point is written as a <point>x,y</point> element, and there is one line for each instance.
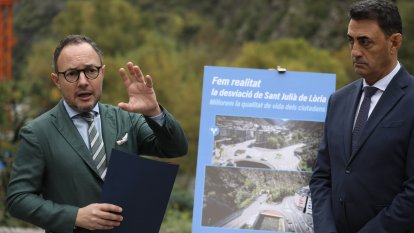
<point>293,54</point>
<point>31,24</point>
<point>406,53</point>
<point>115,25</point>
<point>42,94</point>
<point>11,120</point>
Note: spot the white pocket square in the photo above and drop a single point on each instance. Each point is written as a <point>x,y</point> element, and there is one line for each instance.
<point>123,139</point>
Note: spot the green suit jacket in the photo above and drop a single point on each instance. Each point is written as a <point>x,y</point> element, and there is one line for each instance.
<point>53,173</point>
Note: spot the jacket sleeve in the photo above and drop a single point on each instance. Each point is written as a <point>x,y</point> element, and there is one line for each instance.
<point>320,186</point>
<point>23,194</point>
<point>167,140</point>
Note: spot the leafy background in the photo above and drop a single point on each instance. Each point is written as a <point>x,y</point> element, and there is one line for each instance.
<point>173,41</point>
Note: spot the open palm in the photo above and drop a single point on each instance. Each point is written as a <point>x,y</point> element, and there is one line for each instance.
<point>142,98</point>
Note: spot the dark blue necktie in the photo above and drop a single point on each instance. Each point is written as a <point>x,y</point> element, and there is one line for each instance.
<point>362,115</point>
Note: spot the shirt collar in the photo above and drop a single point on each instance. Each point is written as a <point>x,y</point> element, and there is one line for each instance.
<point>72,112</point>
<point>383,83</point>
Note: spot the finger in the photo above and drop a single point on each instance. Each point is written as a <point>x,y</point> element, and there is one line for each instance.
<point>148,81</point>
<point>130,67</point>
<point>111,216</point>
<point>124,77</point>
<point>134,72</point>
<point>110,208</point>
<point>124,106</point>
<point>138,73</point>
<point>106,224</point>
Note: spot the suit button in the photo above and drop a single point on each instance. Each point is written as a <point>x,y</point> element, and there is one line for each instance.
<point>348,170</point>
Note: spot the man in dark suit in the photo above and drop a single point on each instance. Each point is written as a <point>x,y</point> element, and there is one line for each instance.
<point>56,182</point>
<point>363,180</point>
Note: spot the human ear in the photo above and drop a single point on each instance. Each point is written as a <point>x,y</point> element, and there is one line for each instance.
<point>55,80</point>
<point>396,40</point>
<point>103,71</point>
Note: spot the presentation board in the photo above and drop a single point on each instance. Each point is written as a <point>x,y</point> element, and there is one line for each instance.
<point>259,135</point>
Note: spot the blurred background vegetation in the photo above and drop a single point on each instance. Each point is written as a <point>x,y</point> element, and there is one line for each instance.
<point>173,41</point>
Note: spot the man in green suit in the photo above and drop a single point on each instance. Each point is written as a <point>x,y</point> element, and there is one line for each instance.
<point>55,182</point>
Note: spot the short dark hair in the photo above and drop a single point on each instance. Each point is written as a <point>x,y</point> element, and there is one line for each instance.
<point>71,40</point>
<point>383,11</point>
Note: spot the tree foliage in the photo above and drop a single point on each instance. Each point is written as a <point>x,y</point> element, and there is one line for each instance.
<point>173,41</point>
<point>116,26</point>
<point>406,52</point>
<point>293,54</point>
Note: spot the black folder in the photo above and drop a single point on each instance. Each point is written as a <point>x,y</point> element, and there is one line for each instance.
<point>142,187</point>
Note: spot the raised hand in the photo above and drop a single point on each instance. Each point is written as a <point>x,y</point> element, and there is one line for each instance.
<point>142,98</point>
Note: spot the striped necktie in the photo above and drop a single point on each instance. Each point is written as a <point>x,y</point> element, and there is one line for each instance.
<point>96,144</point>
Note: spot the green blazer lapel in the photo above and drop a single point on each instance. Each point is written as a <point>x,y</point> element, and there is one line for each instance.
<point>62,122</point>
<point>109,129</point>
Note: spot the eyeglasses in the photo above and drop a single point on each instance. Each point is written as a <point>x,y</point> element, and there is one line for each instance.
<point>72,75</point>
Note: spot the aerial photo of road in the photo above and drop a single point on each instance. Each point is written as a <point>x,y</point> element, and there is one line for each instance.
<point>274,155</point>
<point>292,219</point>
<point>242,155</point>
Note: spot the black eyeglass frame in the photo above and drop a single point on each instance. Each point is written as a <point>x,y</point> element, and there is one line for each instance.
<point>79,71</point>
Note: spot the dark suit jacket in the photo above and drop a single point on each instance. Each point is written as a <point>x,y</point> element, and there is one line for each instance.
<point>53,173</point>
<point>371,190</point>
